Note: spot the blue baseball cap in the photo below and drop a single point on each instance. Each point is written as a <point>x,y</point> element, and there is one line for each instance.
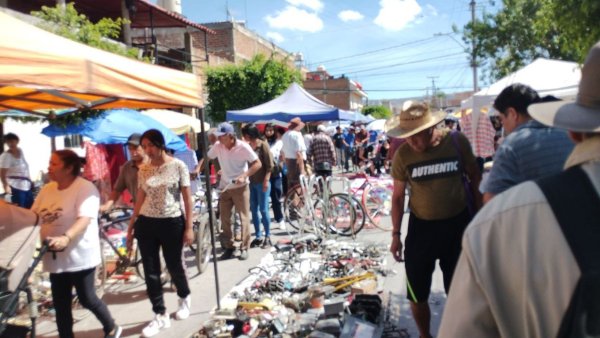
<point>224,129</point>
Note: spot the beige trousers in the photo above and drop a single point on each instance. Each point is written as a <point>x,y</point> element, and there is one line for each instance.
<point>240,199</point>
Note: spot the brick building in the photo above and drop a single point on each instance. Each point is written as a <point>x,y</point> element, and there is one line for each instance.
<point>340,92</point>
<point>233,42</point>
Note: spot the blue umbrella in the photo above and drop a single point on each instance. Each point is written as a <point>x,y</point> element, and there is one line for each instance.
<point>115,126</point>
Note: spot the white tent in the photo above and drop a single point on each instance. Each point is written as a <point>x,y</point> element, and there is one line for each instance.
<point>179,123</point>
<point>547,77</point>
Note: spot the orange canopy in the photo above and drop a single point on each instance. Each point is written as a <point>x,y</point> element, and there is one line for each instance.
<point>40,70</point>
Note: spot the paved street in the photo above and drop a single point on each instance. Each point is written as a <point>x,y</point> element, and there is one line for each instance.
<point>132,310</point>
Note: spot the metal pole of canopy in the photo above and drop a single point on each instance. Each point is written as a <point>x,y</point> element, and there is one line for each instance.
<point>206,169</point>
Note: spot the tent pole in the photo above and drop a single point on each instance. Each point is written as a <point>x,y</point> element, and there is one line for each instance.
<point>206,169</point>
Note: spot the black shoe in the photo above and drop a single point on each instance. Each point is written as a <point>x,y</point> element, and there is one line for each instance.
<point>256,242</point>
<point>266,243</point>
<point>243,255</point>
<point>228,254</point>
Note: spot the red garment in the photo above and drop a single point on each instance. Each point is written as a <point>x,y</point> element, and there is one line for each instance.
<point>483,140</point>
<point>96,162</point>
<point>116,158</point>
<point>96,169</point>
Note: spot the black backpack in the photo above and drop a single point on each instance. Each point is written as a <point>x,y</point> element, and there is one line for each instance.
<point>576,206</point>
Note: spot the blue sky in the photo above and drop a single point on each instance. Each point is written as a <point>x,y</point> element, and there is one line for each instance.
<point>389,46</point>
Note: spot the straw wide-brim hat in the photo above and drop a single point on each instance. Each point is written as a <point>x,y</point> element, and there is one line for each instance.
<point>582,114</point>
<point>413,118</point>
<point>296,124</point>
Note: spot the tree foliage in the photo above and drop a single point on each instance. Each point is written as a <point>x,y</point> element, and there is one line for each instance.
<point>242,86</point>
<point>66,22</point>
<point>377,112</point>
<point>523,30</point>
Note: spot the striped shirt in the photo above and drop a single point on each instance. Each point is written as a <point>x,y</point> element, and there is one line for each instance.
<point>483,140</point>
<point>531,151</point>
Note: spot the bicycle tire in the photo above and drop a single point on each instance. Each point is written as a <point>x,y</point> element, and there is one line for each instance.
<point>373,207</point>
<point>139,267</point>
<point>293,206</point>
<point>203,243</point>
<point>343,215</point>
<point>361,217</point>
<point>78,311</point>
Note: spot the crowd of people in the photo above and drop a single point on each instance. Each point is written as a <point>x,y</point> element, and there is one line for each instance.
<point>507,267</point>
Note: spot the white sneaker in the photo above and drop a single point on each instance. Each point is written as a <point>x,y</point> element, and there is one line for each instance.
<point>158,323</point>
<point>282,225</point>
<point>184,308</point>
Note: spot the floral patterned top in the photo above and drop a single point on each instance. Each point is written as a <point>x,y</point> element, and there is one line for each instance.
<point>162,186</point>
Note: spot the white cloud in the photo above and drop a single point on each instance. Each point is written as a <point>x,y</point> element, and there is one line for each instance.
<point>275,37</point>
<point>349,15</point>
<point>295,19</point>
<point>394,15</point>
<point>315,5</point>
<point>431,10</point>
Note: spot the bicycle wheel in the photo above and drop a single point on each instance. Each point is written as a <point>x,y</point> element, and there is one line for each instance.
<point>139,267</point>
<point>203,243</point>
<point>361,217</point>
<point>341,219</point>
<point>377,203</point>
<point>79,312</point>
<point>293,206</point>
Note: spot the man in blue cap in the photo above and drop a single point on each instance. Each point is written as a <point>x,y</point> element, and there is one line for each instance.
<point>238,162</point>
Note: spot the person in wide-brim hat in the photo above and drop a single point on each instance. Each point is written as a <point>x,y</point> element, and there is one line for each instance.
<point>296,124</point>
<point>412,119</point>
<point>583,114</point>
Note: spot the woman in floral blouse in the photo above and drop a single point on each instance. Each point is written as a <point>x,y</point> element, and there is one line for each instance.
<point>158,223</point>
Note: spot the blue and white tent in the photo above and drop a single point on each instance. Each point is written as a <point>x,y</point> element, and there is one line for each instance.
<point>294,102</point>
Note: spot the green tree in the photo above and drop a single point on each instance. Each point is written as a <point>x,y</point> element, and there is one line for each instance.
<point>523,30</point>
<point>377,112</point>
<point>242,86</point>
<point>66,22</point>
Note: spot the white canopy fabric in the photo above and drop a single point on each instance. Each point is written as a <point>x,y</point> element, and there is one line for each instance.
<point>546,76</point>
<point>179,123</point>
<point>377,125</point>
<point>294,102</point>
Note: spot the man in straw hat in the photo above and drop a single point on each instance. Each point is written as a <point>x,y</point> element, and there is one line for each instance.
<point>432,161</point>
<point>517,273</point>
<point>294,151</point>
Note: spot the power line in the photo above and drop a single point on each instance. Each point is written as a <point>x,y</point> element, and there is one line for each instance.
<point>372,52</point>
<point>405,63</point>
<point>380,60</point>
<point>385,90</point>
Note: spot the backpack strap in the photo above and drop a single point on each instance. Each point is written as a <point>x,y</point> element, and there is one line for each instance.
<point>463,175</point>
<point>576,206</point>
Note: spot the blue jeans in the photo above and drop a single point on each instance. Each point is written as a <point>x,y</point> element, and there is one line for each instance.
<point>22,198</point>
<point>276,193</point>
<point>259,203</point>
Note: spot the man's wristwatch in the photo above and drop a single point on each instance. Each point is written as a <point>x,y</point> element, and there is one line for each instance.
<point>396,233</point>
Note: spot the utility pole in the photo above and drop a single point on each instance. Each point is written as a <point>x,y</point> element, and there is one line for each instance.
<point>473,55</point>
<point>433,91</point>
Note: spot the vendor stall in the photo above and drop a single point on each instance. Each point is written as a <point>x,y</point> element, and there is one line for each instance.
<point>41,72</point>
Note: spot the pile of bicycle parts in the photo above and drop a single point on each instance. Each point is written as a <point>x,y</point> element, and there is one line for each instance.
<point>307,287</point>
